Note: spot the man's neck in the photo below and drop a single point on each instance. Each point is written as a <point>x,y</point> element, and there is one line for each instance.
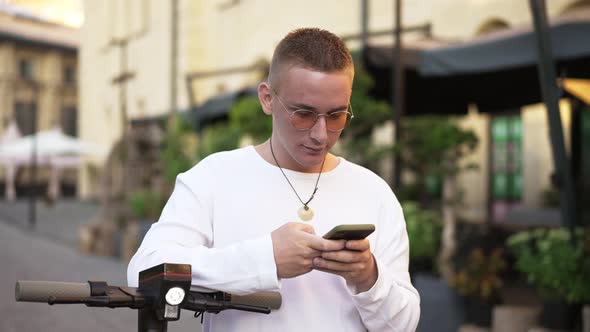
<point>266,154</point>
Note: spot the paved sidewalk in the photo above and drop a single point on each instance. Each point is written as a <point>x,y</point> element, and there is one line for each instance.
<point>49,252</point>
<point>59,221</point>
<point>29,255</point>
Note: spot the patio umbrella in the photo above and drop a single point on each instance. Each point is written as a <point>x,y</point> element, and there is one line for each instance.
<point>51,143</point>
<point>52,148</point>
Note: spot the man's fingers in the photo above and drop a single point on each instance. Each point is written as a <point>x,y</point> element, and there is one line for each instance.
<point>311,253</point>
<point>342,274</point>
<point>334,266</point>
<point>359,245</point>
<point>345,256</point>
<point>321,244</point>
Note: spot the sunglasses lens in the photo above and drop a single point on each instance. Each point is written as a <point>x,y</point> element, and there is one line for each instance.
<point>337,121</point>
<point>302,119</point>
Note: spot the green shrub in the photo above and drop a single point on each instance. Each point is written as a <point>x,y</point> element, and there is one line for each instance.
<point>145,204</point>
<point>424,232</point>
<point>557,266</point>
<point>178,154</point>
<point>218,137</point>
<point>247,116</point>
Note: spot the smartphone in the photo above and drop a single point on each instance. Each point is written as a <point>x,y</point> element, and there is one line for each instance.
<point>350,232</point>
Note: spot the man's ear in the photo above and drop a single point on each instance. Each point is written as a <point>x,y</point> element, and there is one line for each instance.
<point>265,97</point>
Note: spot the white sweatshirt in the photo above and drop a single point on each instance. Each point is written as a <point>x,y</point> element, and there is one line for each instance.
<point>219,219</point>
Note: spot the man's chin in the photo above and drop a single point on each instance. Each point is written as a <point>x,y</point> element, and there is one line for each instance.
<point>312,163</point>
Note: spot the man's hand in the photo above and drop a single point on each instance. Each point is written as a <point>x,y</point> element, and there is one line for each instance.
<point>355,263</point>
<point>295,245</point>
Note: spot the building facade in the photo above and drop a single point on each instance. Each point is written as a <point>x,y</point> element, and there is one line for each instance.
<point>220,45</point>
<point>126,71</point>
<point>38,74</point>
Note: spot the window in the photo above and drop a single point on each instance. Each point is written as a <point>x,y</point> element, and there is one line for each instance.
<point>26,117</point>
<point>69,74</point>
<point>506,176</point>
<point>25,69</point>
<point>69,120</point>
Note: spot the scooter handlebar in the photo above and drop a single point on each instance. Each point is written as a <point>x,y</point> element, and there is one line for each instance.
<point>272,300</point>
<point>51,291</point>
<point>73,292</point>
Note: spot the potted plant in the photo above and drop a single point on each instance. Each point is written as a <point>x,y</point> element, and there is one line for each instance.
<point>424,230</point>
<point>441,307</point>
<point>434,148</point>
<point>479,280</point>
<point>557,264</point>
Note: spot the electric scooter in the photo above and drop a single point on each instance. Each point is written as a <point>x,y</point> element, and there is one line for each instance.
<point>163,291</point>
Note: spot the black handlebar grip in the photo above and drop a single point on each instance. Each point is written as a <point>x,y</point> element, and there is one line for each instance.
<point>272,300</point>
<point>46,291</point>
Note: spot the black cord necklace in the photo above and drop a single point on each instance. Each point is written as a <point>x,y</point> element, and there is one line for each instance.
<point>305,212</point>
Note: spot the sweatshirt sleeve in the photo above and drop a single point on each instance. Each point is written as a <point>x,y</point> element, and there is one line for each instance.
<point>184,235</point>
<point>392,304</point>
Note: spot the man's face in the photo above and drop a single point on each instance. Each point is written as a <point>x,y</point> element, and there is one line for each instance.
<point>300,88</point>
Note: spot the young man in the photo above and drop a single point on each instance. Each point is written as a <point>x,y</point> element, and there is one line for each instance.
<point>252,219</point>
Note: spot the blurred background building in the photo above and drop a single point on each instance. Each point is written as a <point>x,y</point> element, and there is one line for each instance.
<point>175,55</point>
<point>145,59</point>
<point>38,75</point>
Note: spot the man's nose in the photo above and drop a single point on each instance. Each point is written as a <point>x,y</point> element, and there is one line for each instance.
<point>319,131</point>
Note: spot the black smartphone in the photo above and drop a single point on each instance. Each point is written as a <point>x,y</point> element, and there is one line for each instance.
<point>350,232</point>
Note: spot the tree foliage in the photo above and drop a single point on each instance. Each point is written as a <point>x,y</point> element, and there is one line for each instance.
<point>431,147</point>
<point>218,137</point>
<point>357,142</point>
<point>424,230</point>
<point>179,146</point>
<point>247,117</point>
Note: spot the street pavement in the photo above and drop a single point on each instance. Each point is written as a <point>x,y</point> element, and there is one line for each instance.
<point>48,252</point>
<point>58,221</point>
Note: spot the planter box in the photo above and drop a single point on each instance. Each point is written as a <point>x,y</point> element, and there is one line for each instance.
<point>561,316</point>
<point>511,318</point>
<point>586,318</point>
<point>477,312</point>
<point>87,235</point>
<point>99,238</point>
<point>134,234</point>
<point>441,308</point>
<point>472,328</point>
